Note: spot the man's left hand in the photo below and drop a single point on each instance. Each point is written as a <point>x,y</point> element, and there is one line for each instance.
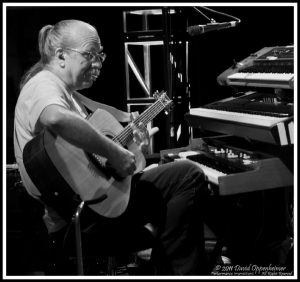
<point>141,135</point>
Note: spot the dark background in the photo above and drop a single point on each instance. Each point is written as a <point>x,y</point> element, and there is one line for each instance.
<point>209,54</point>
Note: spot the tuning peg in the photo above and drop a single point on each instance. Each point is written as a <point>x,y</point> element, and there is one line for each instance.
<point>156,94</point>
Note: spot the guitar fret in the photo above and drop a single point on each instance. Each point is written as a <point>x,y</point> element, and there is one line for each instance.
<point>126,135</point>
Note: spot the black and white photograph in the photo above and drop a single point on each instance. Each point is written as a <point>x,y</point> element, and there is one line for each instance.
<point>149,140</point>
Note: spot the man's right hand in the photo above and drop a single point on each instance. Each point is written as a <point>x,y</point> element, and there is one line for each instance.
<point>123,162</point>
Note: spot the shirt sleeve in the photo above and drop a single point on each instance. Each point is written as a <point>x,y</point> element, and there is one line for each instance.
<point>44,94</point>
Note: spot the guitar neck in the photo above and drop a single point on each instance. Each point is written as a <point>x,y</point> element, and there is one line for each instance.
<point>126,135</point>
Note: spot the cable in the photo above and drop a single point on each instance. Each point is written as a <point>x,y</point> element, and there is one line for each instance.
<point>217,12</point>
<point>202,14</point>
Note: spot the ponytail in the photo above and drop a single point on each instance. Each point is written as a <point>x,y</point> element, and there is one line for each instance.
<point>45,45</point>
<point>45,50</point>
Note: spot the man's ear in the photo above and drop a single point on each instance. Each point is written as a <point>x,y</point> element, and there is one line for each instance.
<point>60,56</point>
<point>59,53</point>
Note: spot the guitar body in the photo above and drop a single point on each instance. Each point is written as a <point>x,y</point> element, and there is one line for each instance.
<point>52,162</point>
<point>80,172</point>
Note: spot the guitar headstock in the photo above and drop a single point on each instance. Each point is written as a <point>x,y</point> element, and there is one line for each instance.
<point>163,98</point>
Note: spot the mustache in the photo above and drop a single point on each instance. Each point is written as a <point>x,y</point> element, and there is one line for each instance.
<point>95,72</point>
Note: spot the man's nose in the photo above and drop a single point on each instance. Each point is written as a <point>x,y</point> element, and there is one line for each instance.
<point>97,63</point>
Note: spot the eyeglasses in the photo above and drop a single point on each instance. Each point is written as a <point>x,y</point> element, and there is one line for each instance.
<point>91,56</point>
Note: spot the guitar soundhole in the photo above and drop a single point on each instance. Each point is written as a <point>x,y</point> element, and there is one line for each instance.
<point>98,163</point>
<point>104,167</point>
<point>93,170</point>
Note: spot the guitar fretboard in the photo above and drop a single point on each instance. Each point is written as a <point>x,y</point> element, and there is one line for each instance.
<point>127,134</point>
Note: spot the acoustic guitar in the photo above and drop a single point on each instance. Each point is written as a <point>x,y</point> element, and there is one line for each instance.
<point>51,161</point>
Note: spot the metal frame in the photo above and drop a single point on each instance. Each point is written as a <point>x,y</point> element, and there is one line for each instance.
<point>146,38</point>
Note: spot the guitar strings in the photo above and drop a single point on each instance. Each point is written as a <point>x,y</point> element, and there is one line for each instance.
<point>126,135</point>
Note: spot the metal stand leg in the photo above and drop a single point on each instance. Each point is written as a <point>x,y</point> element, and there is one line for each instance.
<point>79,257</point>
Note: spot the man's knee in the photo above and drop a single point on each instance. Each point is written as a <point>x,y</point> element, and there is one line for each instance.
<point>192,174</point>
<point>194,170</point>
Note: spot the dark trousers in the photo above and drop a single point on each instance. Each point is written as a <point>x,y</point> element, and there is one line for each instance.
<point>175,198</point>
<point>168,197</point>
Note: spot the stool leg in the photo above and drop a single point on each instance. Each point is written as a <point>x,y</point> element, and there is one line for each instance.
<point>79,257</point>
<point>112,266</point>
